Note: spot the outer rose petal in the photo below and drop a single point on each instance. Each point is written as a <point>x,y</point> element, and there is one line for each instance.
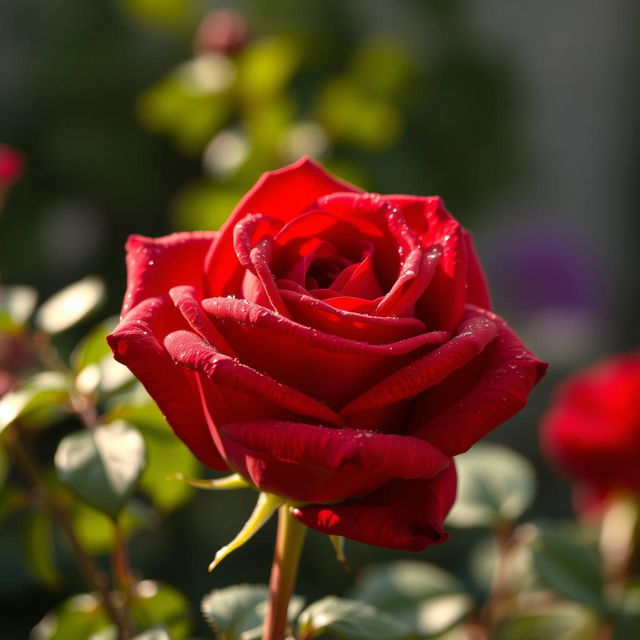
<point>281,194</point>
<point>405,514</point>
<point>310,463</point>
<point>468,404</point>
<point>156,265</point>
<point>476,331</point>
<point>135,343</point>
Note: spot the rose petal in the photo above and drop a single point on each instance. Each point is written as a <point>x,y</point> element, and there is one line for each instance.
<point>475,333</point>
<point>282,195</point>
<point>136,344</point>
<point>328,367</point>
<point>156,265</point>
<point>467,405</point>
<point>193,353</point>
<point>312,312</point>
<point>189,306</point>
<point>392,455</point>
<point>405,514</point>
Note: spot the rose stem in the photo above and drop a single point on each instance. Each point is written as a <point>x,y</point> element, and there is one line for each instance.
<point>92,574</point>
<point>284,569</point>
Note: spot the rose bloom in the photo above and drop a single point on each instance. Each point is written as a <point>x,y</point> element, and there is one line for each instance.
<point>11,166</point>
<point>334,347</point>
<point>592,430</point>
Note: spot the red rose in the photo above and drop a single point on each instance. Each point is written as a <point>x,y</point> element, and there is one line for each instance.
<point>593,428</point>
<point>11,164</point>
<point>334,347</point>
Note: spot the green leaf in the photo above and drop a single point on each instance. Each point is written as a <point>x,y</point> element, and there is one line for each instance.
<point>157,604</point>
<point>166,456</point>
<point>350,620</point>
<point>173,15</point>
<point>159,633</point>
<point>95,530</point>
<point>78,617</point>
<point>425,598</point>
<point>266,67</point>
<point>43,391</point>
<point>495,485</point>
<point>16,305</point>
<point>103,465</point>
<point>4,464</point>
<point>39,549</point>
<point>238,612</point>
<point>566,621</point>
<point>71,305</point>
<point>569,567</point>
<point>484,561</point>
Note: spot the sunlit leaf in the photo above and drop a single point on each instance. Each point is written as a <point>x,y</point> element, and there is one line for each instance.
<point>71,305</point>
<point>168,14</point>
<point>425,598</point>
<point>569,566</point>
<point>44,390</point>
<point>565,621</point>
<point>159,604</point>
<point>159,633</point>
<point>495,485</point>
<point>265,67</point>
<point>75,618</point>
<point>382,68</point>
<point>190,115</point>
<point>166,456</point>
<point>17,303</point>
<point>39,548</point>
<point>349,114</point>
<point>238,612</point>
<point>102,465</point>
<point>350,620</point>
<point>95,530</point>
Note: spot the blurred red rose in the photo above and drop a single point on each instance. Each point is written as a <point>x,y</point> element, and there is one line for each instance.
<point>11,165</point>
<point>592,429</point>
<point>334,347</point>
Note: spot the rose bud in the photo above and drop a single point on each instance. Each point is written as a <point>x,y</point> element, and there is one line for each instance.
<point>11,165</point>
<point>221,31</point>
<point>333,347</point>
<point>592,430</point>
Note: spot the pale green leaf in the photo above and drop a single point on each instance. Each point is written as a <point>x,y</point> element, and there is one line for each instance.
<point>495,485</point>
<point>350,620</point>
<point>71,305</point>
<point>103,465</point>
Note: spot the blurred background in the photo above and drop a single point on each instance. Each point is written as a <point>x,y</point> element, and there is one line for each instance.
<point>148,116</point>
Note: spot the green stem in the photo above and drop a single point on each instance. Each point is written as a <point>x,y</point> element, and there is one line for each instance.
<point>286,559</point>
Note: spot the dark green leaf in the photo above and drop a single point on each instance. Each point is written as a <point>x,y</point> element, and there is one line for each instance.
<point>569,567</point>
<point>495,485</point>
<point>78,617</point>
<point>350,620</point>
<point>156,604</point>
<point>39,549</point>
<point>103,465</point>
<point>422,596</point>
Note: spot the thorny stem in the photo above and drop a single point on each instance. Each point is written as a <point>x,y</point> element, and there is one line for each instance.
<point>286,559</point>
<point>93,576</point>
